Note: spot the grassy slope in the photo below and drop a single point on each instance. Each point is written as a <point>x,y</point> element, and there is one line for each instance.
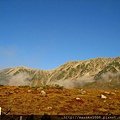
<point>58,101</point>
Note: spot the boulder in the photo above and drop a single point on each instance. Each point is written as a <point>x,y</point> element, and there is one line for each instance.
<point>112,93</point>
<point>106,92</point>
<point>29,91</point>
<point>102,110</point>
<point>43,93</point>
<point>82,91</point>
<point>103,96</point>
<point>78,99</point>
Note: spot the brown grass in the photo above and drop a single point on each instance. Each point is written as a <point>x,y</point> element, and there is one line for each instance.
<point>58,101</point>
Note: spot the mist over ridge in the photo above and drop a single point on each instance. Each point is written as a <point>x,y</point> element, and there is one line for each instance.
<point>103,72</point>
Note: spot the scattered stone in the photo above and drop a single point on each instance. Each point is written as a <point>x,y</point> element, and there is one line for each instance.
<point>49,108</point>
<point>109,93</point>
<point>78,99</point>
<point>82,91</point>
<point>104,101</point>
<point>29,91</point>
<point>106,92</point>
<point>112,93</point>
<point>102,110</point>
<point>16,91</point>
<point>43,93</point>
<point>39,89</point>
<point>116,91</point>
<point>103,96</point>
<point>9,92</point>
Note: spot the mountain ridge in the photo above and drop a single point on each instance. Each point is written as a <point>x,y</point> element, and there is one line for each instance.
<point>94,68</point>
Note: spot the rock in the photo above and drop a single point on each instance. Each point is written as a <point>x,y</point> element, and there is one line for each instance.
<point>78,98</point>
<point>106,92</point>
<point>116,91</point>
<point>49,108</point>
<point>81,89</point>
<point>39,89</point>
<point>43,93</point>
<point>112,93</point>
<point>29,91</point>
<point>9,92</point>
<point>109,93</point>
<point>103,96</point>
<point>17,91</point>
<point>102,110</point>
<point>104,101</point>
<point>82,92</point>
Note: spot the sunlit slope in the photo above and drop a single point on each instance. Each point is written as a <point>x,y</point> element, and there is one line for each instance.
<point>98,69</point>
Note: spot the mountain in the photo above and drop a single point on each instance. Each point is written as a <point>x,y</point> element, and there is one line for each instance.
<point>75,73</point>
<point>23,75</point>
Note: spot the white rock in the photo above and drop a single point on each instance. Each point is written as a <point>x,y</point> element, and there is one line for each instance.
<point>103,96</point>
<point>39,89</point>
<point>104,101</point>
<point>102,110</point>
<point>82,91</point>
<point>116,91</point>
<point>29,91</point>
<point>49,108</point>
<point>77,98</point>
<point>112,93</point>
<point>106,92</point>
<point>43,93</point>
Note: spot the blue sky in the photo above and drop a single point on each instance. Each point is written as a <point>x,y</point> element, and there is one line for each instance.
<point>47,33</point>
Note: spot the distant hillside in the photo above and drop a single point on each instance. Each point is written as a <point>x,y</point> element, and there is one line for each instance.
<point>75,73</point>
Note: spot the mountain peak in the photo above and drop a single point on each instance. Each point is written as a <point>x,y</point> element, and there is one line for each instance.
<point>83,70</point>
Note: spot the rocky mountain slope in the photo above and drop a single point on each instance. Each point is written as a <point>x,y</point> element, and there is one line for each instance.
<point>69,74</point>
